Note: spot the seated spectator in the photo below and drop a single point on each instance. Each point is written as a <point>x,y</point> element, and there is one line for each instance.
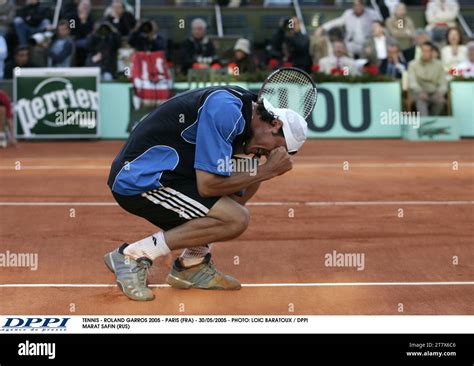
<point>357,22</point>
<point>243,56</point>
<point>7,14</point>
<point>147,38</point>
<point>466,68</point>
<point>375,48</point>
<point>394,65</point>
<point>319,46</point>
<point>414,52</point>
<point>31,19</point>
<point>338,63</point>
<point>6,116</point>
<point>120,18</point>
<point>102,46</point>
<point>20,59</point>
<point>83,22</point>
<point>400,26</point>
<point>441,13</point>
<point>197,49</point>
<point>62,47</point>
<point>3,54</point>
<point>454,52</point>
<point>427,81</point>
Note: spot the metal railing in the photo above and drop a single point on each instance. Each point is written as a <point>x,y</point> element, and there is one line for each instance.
<point>464,25</point>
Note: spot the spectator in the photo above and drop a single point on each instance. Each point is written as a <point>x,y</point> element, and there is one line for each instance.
<point>296,46</point>
<point>414,52</point>
<point>3,54</point>
<point>319,46</point>
<point>357,22</point>
<point>102,46</point>
<point>6,116</point>
<point>121,18</point>
<point>400,26</point>
<point>147,38</point>
<point>289,45</point>
<point>197,49</point>
<point>466,68</point>
<point>7,14</point>
<point>338,63</point>
<point>427,81</point>
<point>82,24</point>
<point>32,18</point>
<point>375,48</point>
<point>243,56</point>
<point>441,13</point>
<point>394,65</point>
<point>61,49</point>
<point>454,52</point>
<point>20,59</point>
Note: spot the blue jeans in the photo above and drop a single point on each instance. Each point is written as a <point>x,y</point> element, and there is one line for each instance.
<point>25,31</point>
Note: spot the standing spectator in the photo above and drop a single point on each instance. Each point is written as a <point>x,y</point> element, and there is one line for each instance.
<point>466,68</point>
<point>357,22</point>
<point>441,13</point>
<point>290,45</point>
<point>198,48</point>
<point>121,18</point>
<point>394,65</point>
<point>375,48</point>
<point>20,59</point>
<point>60,51</point>
<point>102,47</point>
<point>6,116</point>
<point>31,19</point>
<point>338,63</point>
<point>427,81</point>
<point>3,54</point>
<point>414,52</point>
<point>243,56</point>
<point>454,52</point>
<point>296,46</point>
<point>400,26</point>
<point>147,38</point>
<point>7,14</point>
<point>82,24</point>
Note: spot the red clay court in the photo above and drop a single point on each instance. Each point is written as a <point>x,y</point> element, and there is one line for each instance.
<point>280,259</point>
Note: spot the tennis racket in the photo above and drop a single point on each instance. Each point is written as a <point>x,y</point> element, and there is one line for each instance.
<point>291,88</point>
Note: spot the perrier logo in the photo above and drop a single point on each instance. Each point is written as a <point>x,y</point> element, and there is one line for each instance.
<point>56,105</point>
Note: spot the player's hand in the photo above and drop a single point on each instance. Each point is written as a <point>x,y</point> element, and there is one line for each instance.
<point>278,161</point>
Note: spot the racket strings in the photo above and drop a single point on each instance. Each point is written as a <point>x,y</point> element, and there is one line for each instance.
<point>291,89</point>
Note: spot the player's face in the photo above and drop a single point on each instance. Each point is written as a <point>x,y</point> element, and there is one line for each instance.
<point>264,136</point>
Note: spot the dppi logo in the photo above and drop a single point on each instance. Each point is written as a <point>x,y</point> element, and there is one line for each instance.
<point>35,324</point>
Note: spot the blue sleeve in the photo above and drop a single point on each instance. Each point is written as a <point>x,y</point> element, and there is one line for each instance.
<point>219,122</point>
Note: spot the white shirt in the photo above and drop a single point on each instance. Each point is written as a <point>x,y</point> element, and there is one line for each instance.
<point>380,47</point>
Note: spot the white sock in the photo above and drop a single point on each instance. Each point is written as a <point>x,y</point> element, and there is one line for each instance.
<point>195,255</point>
<point>152,247</point>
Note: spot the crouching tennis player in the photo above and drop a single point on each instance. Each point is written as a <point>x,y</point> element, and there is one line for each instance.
<point>170,172</point>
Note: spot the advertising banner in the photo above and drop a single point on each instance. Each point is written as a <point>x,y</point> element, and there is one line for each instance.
<point>56,102</point>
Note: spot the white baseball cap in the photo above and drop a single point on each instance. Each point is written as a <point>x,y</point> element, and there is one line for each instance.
<point>295,127</point>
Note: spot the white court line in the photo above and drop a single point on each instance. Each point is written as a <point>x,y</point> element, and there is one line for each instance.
<point>302,164</point>
<point>314,284</point>
<point>310,203</point>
